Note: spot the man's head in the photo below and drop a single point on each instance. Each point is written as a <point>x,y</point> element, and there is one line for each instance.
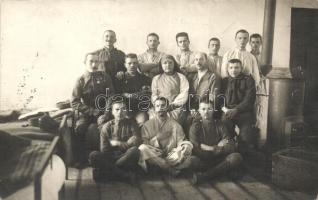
<point>168,65</point>
<point>153,41</point>
<point>131,63</point>
<point>255,41</point>
<point>119,109</point>
<point>161,105</point>
<point>234,67</point>
<point>201,60</point>
<point>183,41</point>
<point>214,46</point>
<point>206,109</point>
<point>91,62</point>
<point>109,38</point>
<point>241,38</point>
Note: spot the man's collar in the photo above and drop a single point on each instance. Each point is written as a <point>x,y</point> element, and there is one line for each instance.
<point>130,75</point>
<point>239,49</point>
<point>109,48</point>
<point>202,73</point>
<point>185,51</point>
<point>88,75</point>
<point>165,117</point>
<point>214,55</point>
<point>152,51</point>
<point>255,52</point>
<point>240,76</point>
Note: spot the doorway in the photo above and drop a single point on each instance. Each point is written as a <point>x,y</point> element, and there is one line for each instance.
<point>304,58</point>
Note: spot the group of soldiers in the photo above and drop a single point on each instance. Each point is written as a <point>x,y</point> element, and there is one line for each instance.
<point>172,113</point>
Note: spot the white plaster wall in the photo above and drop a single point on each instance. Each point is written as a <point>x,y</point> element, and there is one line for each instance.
<point>281,48</point>
<point>43,42</point>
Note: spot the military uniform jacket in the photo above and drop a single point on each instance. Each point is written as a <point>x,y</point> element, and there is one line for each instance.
<point>87,88</point>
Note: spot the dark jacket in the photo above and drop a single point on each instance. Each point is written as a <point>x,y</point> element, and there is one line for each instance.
<point>131,84</point>
<point>240,92</point>
<point>209,85</point>
<point>115,61</point>
<point>210,133</point>
<point>125,131</point>
<point>87,88</point>
<point>139,87</point>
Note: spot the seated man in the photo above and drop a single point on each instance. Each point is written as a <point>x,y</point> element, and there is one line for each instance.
<point>135,87</point>
<point>161,137</point>
<point>119,139</point>
<point>90,86</point>
<point>213,146</point>
<point>204,83</point>
<point>149,60</point>
<point>239,92</point>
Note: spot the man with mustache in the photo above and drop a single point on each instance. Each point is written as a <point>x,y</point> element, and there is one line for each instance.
<point>204,83</point>
<point>161,136</point>
<point>111,59</point>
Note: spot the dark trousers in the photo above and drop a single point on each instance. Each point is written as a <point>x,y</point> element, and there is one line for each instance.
<point>214,167</point>
<point>109,161</point>
<point>85,129</point>
<point>245,122</point>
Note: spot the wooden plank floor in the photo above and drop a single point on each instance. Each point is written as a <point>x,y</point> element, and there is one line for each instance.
<point>81,186</point>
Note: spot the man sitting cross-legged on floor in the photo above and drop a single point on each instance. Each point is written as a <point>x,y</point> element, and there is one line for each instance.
<point>119,140</point>
<point>213,147</point>
<point>163,141</point>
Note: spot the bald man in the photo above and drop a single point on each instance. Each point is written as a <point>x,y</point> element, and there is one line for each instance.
<point>204,83</point>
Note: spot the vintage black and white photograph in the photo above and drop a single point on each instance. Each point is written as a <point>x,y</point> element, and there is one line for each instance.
<point>158,100</point>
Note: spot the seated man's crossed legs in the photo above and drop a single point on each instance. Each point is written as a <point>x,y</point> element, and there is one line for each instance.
<point>208,169</point>
<point>115,164</point>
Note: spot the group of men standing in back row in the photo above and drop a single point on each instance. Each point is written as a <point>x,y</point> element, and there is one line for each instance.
<point>173,113</point>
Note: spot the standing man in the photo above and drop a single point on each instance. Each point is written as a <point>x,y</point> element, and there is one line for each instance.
<point>186,57</point>
<point>256,43</point>
<point>148,61</point>
<point>111,59</point>
<point>214,58</point>
<point>249,62</point>
<point>262,91</point>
